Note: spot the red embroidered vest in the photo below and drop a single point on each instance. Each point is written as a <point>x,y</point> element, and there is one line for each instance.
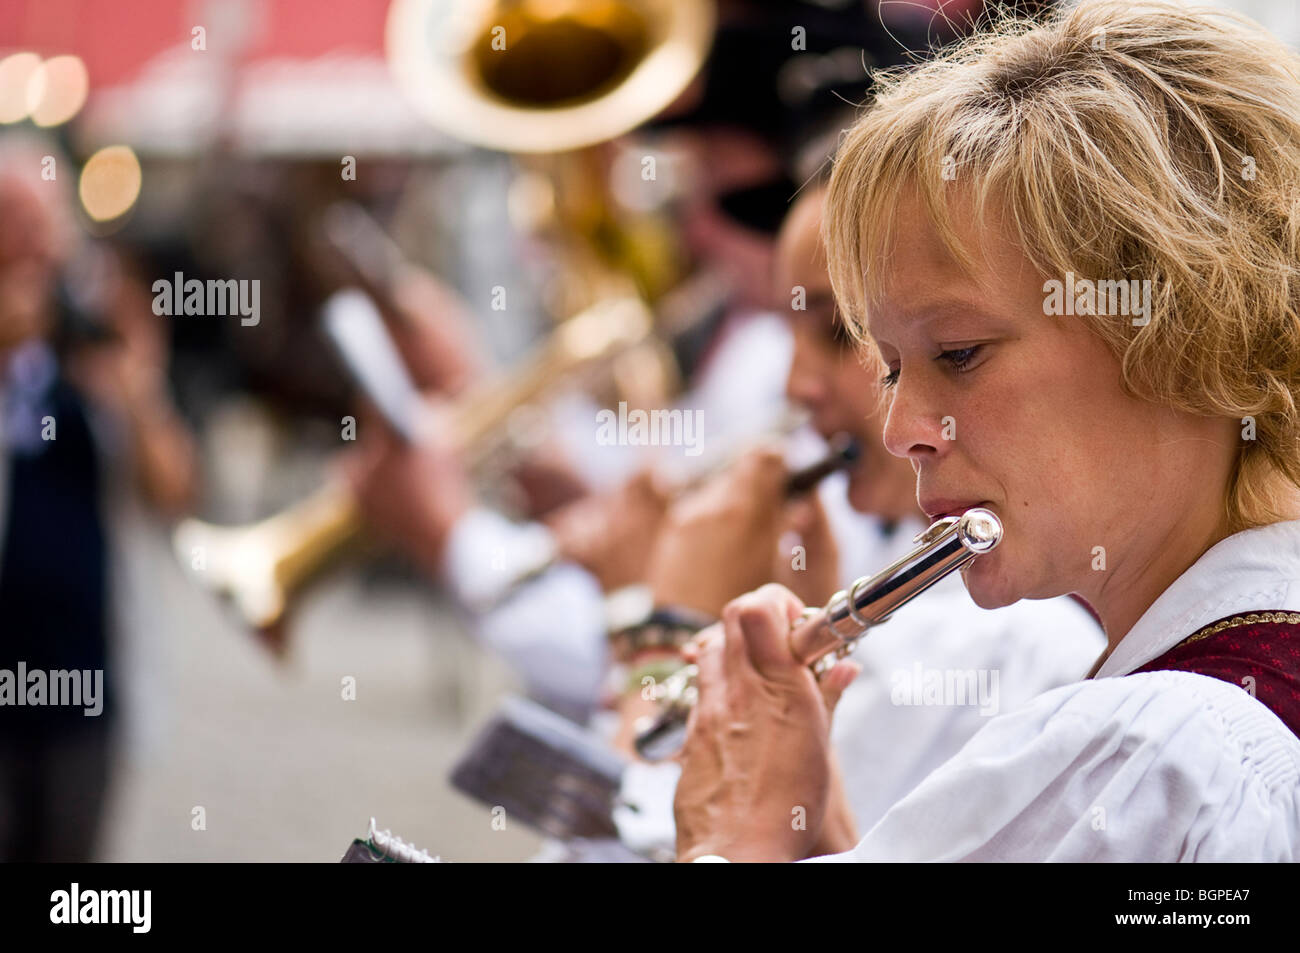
<point>1257,651</point>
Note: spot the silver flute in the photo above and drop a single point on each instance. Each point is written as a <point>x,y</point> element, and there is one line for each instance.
<point>824,635</point>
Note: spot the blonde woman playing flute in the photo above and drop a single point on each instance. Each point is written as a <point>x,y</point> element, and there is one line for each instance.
<point>1074,251</point>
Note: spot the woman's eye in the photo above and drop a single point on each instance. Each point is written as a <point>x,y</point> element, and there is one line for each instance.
<point>960,358</point>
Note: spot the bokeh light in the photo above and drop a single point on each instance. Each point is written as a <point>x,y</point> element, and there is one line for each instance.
<point>15,74</point>
<point>57,90</point>
<point>110,183</point>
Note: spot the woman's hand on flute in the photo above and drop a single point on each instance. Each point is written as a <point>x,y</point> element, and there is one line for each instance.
<point>758,781</point>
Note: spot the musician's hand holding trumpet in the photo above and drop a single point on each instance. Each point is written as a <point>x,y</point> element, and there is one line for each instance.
<point>411,494</point>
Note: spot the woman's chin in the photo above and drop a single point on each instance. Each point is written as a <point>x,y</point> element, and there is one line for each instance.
<point>988,586</point>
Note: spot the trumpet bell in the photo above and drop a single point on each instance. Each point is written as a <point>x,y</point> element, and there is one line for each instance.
<point>258,568</point>
<point>542,76</point>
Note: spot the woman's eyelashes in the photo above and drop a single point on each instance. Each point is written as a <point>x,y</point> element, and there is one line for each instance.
<point>959,361</point>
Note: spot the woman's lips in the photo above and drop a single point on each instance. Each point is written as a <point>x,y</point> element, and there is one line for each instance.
<point>940,509</point>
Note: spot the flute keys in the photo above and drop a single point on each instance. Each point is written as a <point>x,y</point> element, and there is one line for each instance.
<point>827,661</point>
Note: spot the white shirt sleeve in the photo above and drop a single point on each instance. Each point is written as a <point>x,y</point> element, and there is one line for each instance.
<point>1162,766</point>
<point>550,629</point>
<point>486,553</point>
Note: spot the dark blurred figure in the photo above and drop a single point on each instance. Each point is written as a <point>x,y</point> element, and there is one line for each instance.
<point>85,417</point>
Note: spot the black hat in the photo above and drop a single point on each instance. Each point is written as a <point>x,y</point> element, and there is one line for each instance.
<point>785,72</point>
<point>781,69</point>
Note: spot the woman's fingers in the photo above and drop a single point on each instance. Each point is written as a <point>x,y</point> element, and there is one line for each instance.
<point>837,678</point>
<point>763,620</point>
<point>756,742</point>
<point>707,651</point>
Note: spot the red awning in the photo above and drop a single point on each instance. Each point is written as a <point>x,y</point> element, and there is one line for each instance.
<point>273,76</point>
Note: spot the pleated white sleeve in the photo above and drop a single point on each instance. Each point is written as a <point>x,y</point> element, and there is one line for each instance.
<point>1161,766</point>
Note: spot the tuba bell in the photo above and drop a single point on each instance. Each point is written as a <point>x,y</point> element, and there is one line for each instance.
<point>545,76</point>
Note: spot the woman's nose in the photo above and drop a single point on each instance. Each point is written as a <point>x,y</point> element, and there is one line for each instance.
<point>914,428</point>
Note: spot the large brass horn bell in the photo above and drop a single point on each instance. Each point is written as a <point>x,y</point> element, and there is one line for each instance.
<point>531,76</point>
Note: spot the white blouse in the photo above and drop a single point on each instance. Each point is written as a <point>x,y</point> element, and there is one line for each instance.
<point>1159,766</point>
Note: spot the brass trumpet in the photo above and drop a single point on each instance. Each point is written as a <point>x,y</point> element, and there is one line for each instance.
<point>258,567</point>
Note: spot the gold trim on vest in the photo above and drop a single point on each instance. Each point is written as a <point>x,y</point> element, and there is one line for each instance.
<point>1238,621</point>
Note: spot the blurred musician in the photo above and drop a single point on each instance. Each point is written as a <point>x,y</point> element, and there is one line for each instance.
<point>1109,441</point>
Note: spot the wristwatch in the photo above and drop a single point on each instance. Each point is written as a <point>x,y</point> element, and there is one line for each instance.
<point>663,628</point>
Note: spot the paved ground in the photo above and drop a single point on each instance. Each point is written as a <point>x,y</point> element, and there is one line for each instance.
<point>284,768</point>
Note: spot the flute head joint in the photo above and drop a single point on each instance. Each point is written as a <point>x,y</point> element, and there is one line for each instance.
<point>980,530</point>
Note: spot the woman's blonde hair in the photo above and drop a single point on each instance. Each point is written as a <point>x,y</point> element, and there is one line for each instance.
<point>1118,141</point>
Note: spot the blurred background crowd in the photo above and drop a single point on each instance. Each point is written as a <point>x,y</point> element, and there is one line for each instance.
<point>312,146</point>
